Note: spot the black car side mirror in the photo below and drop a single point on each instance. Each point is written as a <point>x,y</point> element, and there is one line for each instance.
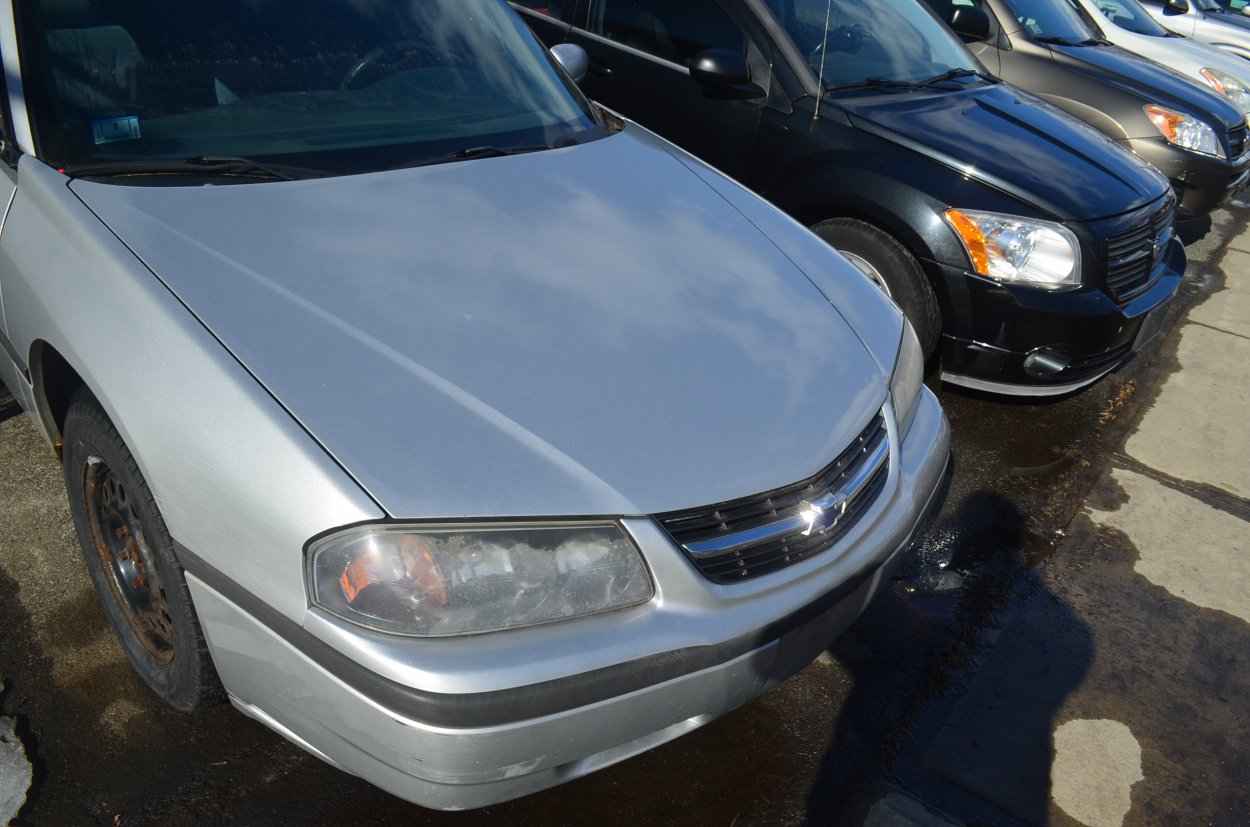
<point>1176,6</point>
<point>573,59</point>
<point>972,23</point>
<point>720,67</point>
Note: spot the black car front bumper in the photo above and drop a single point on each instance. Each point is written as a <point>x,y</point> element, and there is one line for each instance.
<point>1028,341</point>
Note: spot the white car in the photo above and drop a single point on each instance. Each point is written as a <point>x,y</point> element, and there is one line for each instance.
<point>1128,25</point>
<point>1206,21</point>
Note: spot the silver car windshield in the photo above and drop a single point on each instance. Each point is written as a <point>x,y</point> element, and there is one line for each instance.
<point>334,86</point>
<point>851,43</point>
<point>1130,16</point>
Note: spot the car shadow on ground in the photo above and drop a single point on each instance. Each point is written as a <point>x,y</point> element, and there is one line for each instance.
<point>1190,232</point>
<point>8,405</point>
<point>960,672</point>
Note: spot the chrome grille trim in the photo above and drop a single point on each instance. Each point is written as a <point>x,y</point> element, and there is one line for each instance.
<point>753,536</point>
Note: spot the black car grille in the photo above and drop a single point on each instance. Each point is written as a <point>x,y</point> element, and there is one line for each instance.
<point>752,536</point>
<point>1132,254</point>
<point>1237,140</point>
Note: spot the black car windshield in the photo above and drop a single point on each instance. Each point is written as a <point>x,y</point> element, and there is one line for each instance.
<point>872,42</point>
<point>1052,21</point>
<point>1130,16</point>
<point>335,86</point>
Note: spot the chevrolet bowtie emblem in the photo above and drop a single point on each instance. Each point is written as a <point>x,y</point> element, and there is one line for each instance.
<point>819,518</point>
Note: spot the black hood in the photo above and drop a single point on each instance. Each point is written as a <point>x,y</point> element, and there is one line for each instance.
<point>1017,143</point>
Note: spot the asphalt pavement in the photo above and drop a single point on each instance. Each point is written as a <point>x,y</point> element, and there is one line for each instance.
<point>1070,646</point>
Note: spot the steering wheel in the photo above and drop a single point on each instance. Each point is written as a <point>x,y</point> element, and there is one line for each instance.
<point>847,39</point>
<point>392,49</point>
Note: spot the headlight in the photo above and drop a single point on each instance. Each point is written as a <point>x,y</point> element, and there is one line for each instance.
<point>1185,131</point>
<point>1230,87</point>
<point>907,380</point>
<point>1008,248</point>
<point>436,580</point>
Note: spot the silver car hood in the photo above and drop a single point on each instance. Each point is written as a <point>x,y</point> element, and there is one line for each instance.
<point>584,331</point>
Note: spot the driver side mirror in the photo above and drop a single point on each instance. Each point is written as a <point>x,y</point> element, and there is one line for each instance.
<point>972,23</point>
<point>573,59</point>
<point>720,67</point>
<point>1176,6</point>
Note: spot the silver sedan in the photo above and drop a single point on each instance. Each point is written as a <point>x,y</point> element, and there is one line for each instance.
<point>465,434</point>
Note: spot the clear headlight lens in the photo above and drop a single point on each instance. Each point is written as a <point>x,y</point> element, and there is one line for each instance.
<point>1025,250</point>
<point>433,581</point>
<point>1230,87</point>
<point>1185,131</point>
<point>907,380</point>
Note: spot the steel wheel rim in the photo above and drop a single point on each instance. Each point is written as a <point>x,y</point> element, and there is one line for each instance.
<point>128,562</point>
<point>864,266</point>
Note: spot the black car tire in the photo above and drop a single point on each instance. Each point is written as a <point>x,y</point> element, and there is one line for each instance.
<point>130,557</point>
<point>896,272</point>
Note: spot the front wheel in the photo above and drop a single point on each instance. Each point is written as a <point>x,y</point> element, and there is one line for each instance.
<point>130,557</point>
<point>891,267</point>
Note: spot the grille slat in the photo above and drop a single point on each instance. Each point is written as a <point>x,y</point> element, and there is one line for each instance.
<point>1131,255</point>
<point>863,468</point>
<point>1237,140</point>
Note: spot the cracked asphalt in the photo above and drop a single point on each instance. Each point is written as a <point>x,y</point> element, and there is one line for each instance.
<point>1069,646</point>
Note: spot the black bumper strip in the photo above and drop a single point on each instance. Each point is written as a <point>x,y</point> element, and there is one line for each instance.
<point>482,709</point>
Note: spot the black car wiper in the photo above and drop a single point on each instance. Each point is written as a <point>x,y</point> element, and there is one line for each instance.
<point>873,83</point>
<point>1056,41</point>
<point>229,165</point>
<point>951,74</point>
<point>1095,41</point>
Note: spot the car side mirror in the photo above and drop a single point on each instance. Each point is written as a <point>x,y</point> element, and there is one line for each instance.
<point>1176,6</point>
<point>972,23</point>
<point>720,67</point>
<point>573,59</point>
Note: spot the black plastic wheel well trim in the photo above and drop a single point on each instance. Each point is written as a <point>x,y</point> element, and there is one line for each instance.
<point>482,709</point>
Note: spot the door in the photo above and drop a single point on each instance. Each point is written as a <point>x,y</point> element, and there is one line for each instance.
<point>640,52</point>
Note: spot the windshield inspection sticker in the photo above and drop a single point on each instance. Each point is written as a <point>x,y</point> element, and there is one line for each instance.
<point>115,129</point>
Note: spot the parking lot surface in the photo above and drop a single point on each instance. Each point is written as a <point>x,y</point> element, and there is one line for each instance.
<point>1071,645</point>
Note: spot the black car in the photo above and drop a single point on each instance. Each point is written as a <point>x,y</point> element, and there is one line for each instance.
<point>1036,250</point>
<point>1191,134</point>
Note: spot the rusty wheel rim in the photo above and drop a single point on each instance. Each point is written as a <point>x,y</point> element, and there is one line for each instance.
<point>127,560</point>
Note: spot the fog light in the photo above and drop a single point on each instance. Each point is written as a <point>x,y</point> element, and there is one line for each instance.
<point>1046,361</point>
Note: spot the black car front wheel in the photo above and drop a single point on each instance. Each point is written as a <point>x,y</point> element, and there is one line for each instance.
<point>892,268</point>
<point>130,557</point>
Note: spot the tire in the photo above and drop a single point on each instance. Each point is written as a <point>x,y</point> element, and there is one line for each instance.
<point>892,268</point>
<point>130,557</point>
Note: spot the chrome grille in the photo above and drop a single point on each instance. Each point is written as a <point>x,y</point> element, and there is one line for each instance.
<point>752,536</point>
<point>1132,254</point>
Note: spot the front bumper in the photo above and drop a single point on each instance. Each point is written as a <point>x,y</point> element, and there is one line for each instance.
<point>1202,183</point>
<point>1005,339</point>
<point>467,722</point>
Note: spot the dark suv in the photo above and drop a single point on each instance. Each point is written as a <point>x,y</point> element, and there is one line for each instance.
<point>1190,133</point>
<point>1037,251</point>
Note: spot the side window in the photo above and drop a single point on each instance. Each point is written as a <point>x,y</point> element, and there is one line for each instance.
<point>673,31</point>
<point>552,8</point>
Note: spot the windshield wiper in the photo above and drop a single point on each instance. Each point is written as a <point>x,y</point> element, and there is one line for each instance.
<point>873,83</point>
<point>952,74</point>
<point>197,165</point>
<point>1057,41</point>
<point>487,151</point>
